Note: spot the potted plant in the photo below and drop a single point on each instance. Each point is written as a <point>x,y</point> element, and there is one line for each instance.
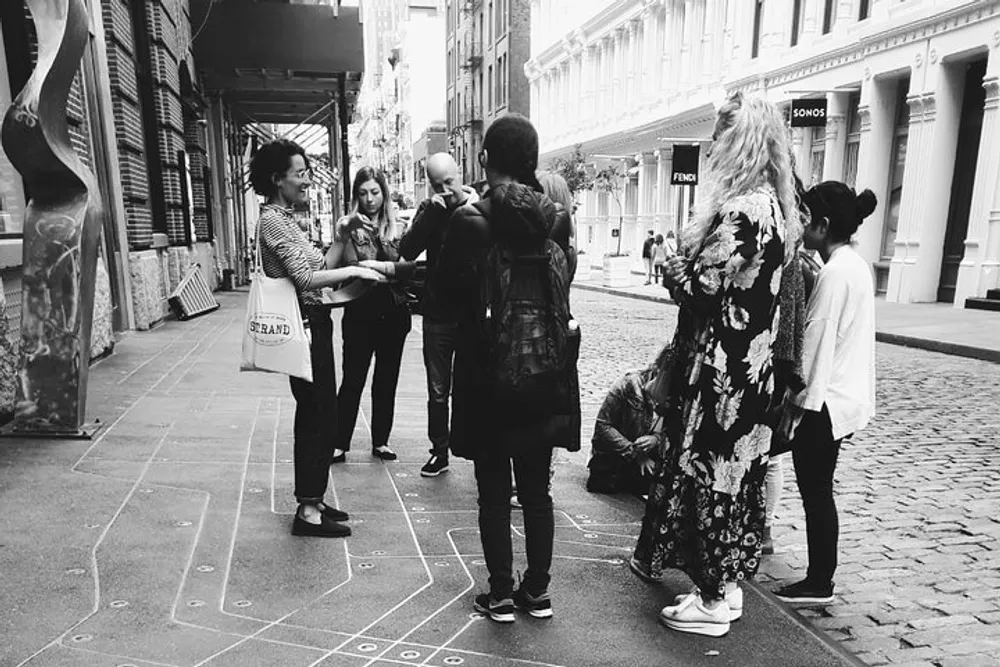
<point>617,264</point>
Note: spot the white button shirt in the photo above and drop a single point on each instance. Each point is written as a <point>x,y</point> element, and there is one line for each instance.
<point>838,357</point>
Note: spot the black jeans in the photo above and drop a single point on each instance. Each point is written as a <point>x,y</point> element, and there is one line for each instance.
<point>315,411</point>
<point>383,337</point>
<point>531,470</point>
<point>439,358</point>
<point>815,453</point>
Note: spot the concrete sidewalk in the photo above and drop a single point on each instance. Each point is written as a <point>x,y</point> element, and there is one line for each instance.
<point>937,327</point>
<point>165,541</point>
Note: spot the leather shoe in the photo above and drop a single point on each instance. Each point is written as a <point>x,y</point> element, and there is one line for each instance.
<point>325,528</point>
<point>334,514</point>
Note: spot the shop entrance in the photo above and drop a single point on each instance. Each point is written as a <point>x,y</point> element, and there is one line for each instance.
<point>964,178</point>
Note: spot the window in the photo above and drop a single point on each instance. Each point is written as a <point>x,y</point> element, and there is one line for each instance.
<point>817,155</point>
<point>853,140</point>
<point>12,204</point>
<point>796,21</point>
<point>828,7</point>
<point>489,17</point>
<point>758,12</point>
<point>500,81</point>
<point>897,167</point>
<point>489,90</point>
<point>863,9</point>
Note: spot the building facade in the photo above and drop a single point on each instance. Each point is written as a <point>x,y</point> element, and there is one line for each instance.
<point>913,113</point>
<point>403,90</point>
<point>488,44</point>
<point>169,152</point>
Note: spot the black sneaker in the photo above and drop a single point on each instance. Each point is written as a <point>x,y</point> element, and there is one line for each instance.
<point>537,606</point>
<point>805,592</point>
<point>501,611</point>
<point>435,466</point>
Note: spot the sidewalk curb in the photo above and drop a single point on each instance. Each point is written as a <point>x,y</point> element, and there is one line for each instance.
<point>625,293</point>
<point>953,349</point>
<point>902,340</point>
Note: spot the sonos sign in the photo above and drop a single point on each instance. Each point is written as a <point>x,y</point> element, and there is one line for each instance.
<point>809,112</point>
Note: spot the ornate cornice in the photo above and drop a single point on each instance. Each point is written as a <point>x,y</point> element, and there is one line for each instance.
<point>875,43</point>
<point>865,118</point>
<point>992,86</point>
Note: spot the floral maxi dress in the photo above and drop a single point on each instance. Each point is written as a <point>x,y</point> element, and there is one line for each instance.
<point>705,512</point>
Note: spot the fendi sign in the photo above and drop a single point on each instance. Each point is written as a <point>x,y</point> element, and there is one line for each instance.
<point>684,166</point>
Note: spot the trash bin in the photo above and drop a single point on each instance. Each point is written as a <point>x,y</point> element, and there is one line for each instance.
<point>227,280</point>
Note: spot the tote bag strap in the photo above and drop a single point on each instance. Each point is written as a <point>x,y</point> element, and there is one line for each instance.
<point>258,266</point>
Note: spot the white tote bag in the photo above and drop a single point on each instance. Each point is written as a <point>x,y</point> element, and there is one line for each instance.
<point>274,338</point>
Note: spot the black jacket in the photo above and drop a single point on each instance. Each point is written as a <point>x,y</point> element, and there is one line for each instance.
<point>518,216</point>
<point>426,233</point>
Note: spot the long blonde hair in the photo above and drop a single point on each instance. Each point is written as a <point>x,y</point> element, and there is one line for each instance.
<point>385,222</point>
<point>751,149</point>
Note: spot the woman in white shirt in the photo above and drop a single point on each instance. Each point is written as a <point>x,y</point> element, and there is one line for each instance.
<point>838,363</point>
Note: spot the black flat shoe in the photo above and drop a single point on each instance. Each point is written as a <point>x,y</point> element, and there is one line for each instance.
<point>325,528</point>
<point>384,453</point>
<point>339,459</point>
<point>334,514</point>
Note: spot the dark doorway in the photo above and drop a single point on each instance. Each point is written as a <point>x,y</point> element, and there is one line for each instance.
<point>964,178</point>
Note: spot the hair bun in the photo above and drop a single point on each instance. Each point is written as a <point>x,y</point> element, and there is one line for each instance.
<point>865,203</point>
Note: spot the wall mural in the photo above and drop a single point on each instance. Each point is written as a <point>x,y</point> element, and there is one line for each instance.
<point>61,231</point>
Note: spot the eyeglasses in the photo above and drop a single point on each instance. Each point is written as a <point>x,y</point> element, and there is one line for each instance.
<point>303,174</point>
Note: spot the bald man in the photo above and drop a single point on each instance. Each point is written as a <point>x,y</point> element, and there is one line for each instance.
<point>440,321</point>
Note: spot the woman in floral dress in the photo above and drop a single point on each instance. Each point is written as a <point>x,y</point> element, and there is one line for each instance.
<point>705,513</point>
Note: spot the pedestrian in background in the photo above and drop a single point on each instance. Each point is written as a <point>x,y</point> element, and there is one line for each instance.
<point>376,324</point>
<point>659,256</point>
<point>494,237</point>
<point>279,172</point>
<point>440,319</point>
<point>705,513</point>
<point>839,363</point>
<point>647,255</point>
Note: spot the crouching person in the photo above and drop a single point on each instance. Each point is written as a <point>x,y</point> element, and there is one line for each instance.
<point>624,447</point>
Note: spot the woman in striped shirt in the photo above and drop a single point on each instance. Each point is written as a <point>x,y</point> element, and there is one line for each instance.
<point>279,172</point>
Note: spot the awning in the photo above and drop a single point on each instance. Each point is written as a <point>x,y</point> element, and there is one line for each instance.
<point>276,62</point>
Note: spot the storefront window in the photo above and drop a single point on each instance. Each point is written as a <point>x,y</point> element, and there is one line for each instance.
<point>897,170</point>
<point>11,188</point>
<point>818,155</point>
<point>853,140</point>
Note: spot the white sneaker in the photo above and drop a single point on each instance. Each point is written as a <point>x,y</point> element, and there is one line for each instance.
<point>692,616</point>
<point>733,599</point>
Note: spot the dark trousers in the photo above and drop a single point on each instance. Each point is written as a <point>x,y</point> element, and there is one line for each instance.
<point>815,453</point>
<point>383,337</point>
<point>531,472</point>
<point>439,358</point>
<point>315,411</point>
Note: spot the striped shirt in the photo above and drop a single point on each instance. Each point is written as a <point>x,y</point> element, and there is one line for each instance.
<point>286,252</point>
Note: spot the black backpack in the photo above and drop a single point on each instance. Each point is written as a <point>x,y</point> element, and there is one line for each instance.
<point>532,340</point>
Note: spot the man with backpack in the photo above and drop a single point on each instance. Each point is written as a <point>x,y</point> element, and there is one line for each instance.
<point>507,265</point>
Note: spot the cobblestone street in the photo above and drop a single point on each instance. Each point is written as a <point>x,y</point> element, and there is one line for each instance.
<point>918,492</point>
